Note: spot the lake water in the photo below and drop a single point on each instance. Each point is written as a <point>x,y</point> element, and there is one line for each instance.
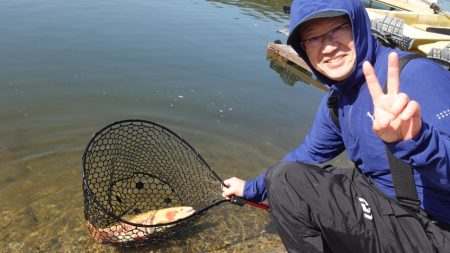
<point>68,68</point>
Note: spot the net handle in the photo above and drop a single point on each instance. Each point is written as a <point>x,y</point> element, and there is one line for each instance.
<point>241,201</point>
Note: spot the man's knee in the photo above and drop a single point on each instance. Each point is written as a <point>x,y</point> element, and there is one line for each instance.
<point>284,172</point>
<point>277,172</point>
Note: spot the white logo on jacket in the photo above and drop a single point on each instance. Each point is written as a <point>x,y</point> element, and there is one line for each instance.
<point>366,209</point>
<point>443,114</point>
<point>370,116</point>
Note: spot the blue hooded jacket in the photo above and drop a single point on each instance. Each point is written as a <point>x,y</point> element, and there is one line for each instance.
<point>422,80</point>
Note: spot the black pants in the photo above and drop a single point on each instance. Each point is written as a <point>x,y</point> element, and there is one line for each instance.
<point>340,210</point>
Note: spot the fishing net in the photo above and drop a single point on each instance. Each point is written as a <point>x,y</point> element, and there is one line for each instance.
<point>134,166</point>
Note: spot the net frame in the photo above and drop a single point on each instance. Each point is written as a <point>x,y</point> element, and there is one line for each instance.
<point>120,143</point>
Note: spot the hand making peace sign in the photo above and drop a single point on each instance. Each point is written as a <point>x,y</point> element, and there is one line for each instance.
<point>396,118</point>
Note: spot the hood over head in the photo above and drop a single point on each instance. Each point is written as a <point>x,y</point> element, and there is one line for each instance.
<point>365,44</point>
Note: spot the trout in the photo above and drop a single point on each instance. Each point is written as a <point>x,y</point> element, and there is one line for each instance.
<point>123,233</point>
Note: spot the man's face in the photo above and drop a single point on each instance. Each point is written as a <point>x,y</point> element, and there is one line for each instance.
<point>330,47</point>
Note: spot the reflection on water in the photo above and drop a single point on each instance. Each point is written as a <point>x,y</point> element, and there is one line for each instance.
<point>260,8</point>
<point>68,68</point>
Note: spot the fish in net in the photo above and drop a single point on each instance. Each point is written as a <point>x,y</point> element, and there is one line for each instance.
<point>136,174</point>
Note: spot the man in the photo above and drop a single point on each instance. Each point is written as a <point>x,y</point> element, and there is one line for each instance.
<point>356,210</point>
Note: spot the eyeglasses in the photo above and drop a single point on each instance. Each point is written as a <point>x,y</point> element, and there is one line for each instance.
<point>336,34</point>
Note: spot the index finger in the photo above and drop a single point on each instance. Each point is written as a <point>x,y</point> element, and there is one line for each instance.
<point>372,81</point>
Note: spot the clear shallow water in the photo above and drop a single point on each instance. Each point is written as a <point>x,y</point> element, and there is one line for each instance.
<point>68,68</point>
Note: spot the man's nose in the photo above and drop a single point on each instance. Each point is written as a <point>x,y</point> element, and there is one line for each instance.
<point>329,45</point>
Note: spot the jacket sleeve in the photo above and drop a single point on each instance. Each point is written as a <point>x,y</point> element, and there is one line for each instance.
<point>322,143</point>
<point>255,189</point>
<point>429,151</point>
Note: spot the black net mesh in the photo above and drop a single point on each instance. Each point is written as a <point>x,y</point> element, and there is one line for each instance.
<point>132,167</point>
